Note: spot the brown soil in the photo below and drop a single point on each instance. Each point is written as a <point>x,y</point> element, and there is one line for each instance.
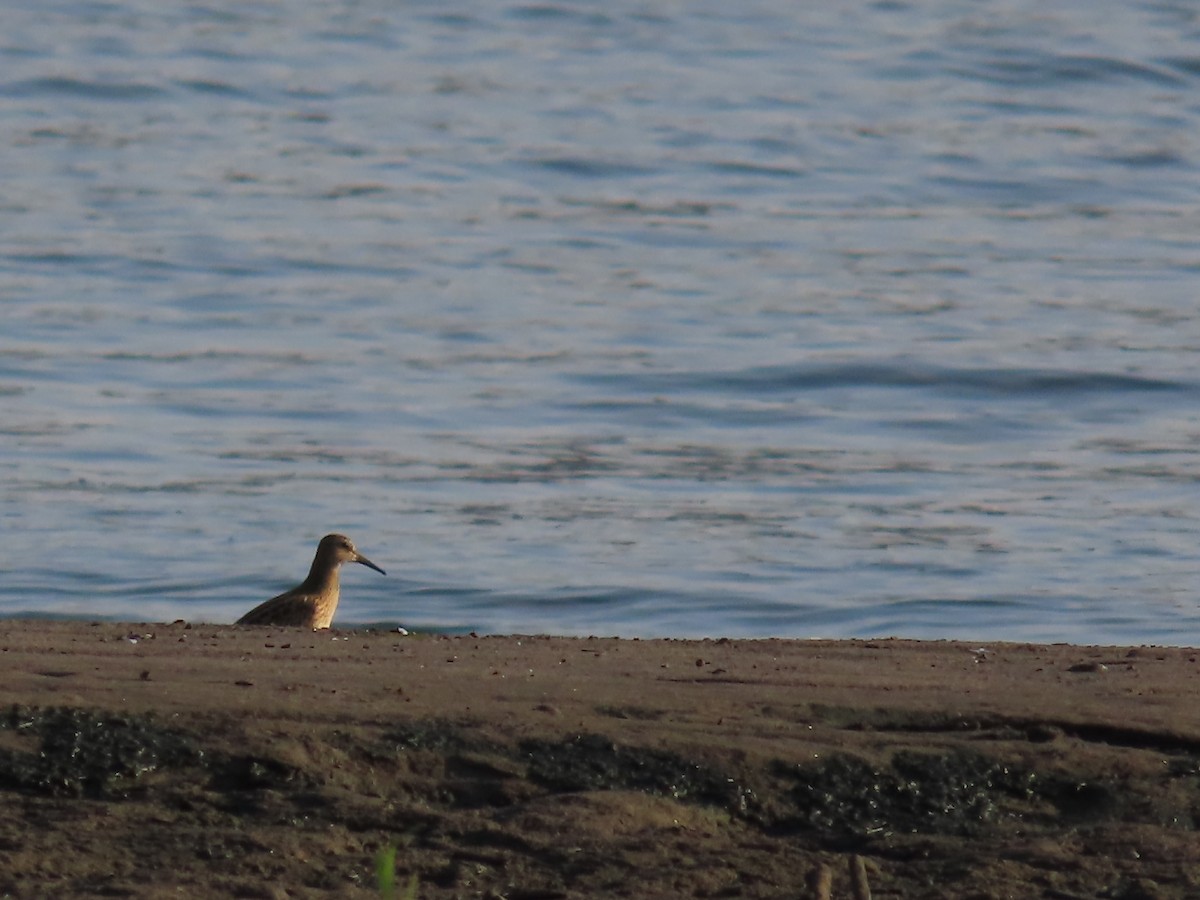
<point>186,761</point>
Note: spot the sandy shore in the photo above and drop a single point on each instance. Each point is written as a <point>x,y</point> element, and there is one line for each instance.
<point>198,760</point>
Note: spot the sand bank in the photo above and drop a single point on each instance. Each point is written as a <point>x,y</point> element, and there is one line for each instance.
<point>198,760</point>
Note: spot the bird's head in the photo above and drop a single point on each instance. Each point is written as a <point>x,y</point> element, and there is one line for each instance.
<point>339,549</point>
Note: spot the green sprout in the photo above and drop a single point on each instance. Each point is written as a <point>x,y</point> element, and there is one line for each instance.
<point>385,877</point>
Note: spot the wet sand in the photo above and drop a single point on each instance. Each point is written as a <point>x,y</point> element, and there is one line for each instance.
<point>195,760</point>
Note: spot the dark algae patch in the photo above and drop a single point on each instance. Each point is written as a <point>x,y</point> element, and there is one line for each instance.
<point>960,793</point>
<point>438,735</point>
<point>592,762</point>
<point>86,753</point>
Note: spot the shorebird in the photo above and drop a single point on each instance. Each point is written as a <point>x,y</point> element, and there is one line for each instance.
<point>311,603</point>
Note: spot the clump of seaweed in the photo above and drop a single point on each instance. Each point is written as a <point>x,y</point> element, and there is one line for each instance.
<point>955,793</point>
<point>592,762</point>
<point>86,753</point>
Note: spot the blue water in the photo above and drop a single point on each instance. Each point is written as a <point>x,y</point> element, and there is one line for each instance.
<point>624,318</point>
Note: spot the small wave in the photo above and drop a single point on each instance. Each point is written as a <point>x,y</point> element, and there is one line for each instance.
<point>756,169</point>
<point>215,88</point>
<point>1050,70</point>
<point>208,355</point>
<point>671,209</point>
<point>1189,65</point>
<point>1001,382</point>
<point>1148,159</point>
<point>75,87</point>
<point>341,191</point>
<point>589,168</point>
<point>551,11</point>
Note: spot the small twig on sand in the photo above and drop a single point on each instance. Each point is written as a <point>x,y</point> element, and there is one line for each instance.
<point>858,878</point>
<point>820,882</point>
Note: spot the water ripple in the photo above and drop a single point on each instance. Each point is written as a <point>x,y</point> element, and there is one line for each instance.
<point>700,319</point>
<point>999,382</point>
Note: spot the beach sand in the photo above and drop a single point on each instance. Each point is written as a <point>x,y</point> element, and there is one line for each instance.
<point>178,760</point>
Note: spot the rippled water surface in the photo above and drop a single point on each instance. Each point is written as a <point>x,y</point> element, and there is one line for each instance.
<point>625,318</point>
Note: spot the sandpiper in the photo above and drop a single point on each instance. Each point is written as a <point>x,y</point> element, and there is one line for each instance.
<point>311,603</point>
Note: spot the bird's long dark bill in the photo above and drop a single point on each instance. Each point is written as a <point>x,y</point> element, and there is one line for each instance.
<point>370,565</point>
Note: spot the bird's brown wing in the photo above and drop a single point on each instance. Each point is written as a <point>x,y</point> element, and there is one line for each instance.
<point>290,609</point>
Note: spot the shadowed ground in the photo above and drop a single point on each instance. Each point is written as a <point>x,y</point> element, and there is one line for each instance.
<point>175,760</point>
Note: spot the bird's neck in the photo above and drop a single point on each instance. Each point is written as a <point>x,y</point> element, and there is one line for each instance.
<point>322,577</point>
